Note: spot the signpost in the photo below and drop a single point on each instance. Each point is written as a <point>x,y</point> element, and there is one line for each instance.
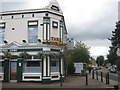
<point>78,68</point>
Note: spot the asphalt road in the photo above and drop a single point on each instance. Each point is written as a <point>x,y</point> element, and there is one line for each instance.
<point>112,76</point>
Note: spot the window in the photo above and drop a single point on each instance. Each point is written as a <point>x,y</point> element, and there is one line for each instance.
<point>33,64</point>
<point>2,32</point>
<point>32,67</point>
<point>32,34</point>
<point>54,65</point>
<point>1,66</point>
<point>2,35</point>
<point>32,31</point>
<point>55,24</point>
<point>55,8</point>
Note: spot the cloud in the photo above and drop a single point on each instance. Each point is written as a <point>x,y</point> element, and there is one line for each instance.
<point>6,6</point>
<point>100,27</point>
<point>90,21</point>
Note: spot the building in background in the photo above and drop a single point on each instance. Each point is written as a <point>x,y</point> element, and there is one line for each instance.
<point>70,42</point>
<point>31,44</point>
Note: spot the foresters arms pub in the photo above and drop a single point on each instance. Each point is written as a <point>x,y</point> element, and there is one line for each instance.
<point>32,44</point>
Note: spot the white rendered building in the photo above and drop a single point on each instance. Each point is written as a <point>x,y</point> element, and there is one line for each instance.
<point>31,44</point>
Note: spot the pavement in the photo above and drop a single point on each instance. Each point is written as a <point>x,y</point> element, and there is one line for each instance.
<point>71,82</point>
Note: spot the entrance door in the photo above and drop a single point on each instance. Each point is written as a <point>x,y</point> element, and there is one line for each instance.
<point>13,70</point>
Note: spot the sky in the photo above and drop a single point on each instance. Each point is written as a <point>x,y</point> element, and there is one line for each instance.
<point>89,21</point>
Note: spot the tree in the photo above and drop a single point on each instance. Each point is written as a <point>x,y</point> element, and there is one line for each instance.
<point>100,60</point>
<point>115,42</point>
<point>7,54</point>
<point>112,57</point>
<point>80,53</point>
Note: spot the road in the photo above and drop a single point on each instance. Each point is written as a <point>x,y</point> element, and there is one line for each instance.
<point>112,76</point>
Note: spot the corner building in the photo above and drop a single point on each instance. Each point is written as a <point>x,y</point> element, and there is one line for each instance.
<point>32,43</point>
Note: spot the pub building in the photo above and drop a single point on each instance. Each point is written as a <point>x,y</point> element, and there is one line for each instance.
<point>32,44</point>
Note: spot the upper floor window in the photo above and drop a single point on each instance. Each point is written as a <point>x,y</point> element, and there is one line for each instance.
<point>55,8</point>
<point>32,32</point>
<point>2,33</point>
<point>55,24</point>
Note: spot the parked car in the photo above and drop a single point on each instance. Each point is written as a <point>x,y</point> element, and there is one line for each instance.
<point>113,70</point>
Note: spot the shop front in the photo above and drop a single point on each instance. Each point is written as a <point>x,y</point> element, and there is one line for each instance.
<point>32,65</point>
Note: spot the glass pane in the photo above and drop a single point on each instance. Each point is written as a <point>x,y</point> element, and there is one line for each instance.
<point>2,32</point>
<point>32,69</point>
<point>33,64</point>
<point>54,69</point>
<point>13,67</point>
<point>32,34</point>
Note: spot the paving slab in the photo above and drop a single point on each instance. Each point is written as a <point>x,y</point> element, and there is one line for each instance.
<point>71,81</point>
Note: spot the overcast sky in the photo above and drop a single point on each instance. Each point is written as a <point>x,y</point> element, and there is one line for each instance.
<point>89,21</point>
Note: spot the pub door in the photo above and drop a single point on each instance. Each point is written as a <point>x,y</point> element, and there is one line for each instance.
<point>13,70</point>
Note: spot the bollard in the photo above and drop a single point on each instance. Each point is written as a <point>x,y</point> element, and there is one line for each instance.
<point>115,87</point>
<point>61,80</point>
<point>93,74</point>
<point>101,77</point>
<point>107,78</point>
<point>86,79</point>
<point>97,75</point>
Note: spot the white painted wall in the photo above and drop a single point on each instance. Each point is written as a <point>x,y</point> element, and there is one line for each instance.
<point>20,26</point>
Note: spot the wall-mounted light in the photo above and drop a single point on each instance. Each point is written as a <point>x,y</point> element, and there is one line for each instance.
<point>39,40</point>
<point>24,41</point>
<point>5,42</point>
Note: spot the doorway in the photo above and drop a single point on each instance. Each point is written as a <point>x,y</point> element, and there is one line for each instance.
<point>13,70</point>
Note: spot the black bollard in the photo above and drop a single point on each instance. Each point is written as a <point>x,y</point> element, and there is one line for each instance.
<point>86,79</point>
<point>108,78</point>
<point>97,75</point>
<point>61,80</point>
<point>93,74</point>
<point>115,87</point>
<point>101,76</point>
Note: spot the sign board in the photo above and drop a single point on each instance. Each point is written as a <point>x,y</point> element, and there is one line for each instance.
<point>78,67</point>
<point>55,41</point>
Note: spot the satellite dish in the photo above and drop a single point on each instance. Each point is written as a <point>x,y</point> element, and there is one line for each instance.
<point>118,52</point>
